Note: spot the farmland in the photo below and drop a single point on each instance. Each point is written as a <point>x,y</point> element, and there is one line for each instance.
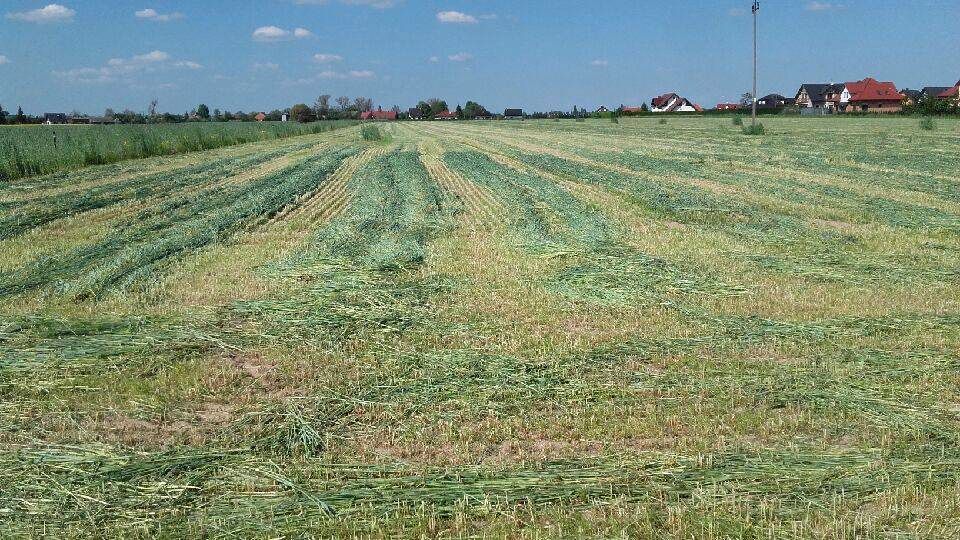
<point>529,329</point>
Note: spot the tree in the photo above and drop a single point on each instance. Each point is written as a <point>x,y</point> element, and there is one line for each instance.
<point>109,114</point>
<point>396,109</point>
<point>343,103</point>
<point>473,109</point>
<point>302,113</point>
<point>644,108</point>
<point>746,100</point>
<point>322,106</point>
<point>459,112</point>
<point>21,118</point>
<point>437,106</point>
<point>424,108</point>
<point>363,104</point>
<point>152,108</point>
<point>216,114</point>
<point>203,111</point>
<point>3,115</point>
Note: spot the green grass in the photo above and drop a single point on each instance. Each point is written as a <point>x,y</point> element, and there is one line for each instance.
<point>537,329</point>
<point>35,150</point>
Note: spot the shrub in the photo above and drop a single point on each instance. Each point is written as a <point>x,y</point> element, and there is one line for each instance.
<point>754,129</point>
<point>927,124</point>
<point>737,120</point>
<point>662,121</point>
<point>371,133</point>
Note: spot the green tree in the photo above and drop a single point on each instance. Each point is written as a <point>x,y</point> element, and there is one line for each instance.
<point>425,109</point>
<point>437,106</point>
<point>473,109</point>
<point>302,113</point>
<point>459,112</point>
<point>21,118</point>
<point>203,111</point>
<point>3,115</point>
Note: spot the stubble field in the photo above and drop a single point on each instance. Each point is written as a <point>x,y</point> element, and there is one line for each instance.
<point>524,329</point>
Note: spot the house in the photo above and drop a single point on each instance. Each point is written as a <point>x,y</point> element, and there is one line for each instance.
<point>631,110</point>
<point>773,101</point>
<point>445,115</point>
<point>260,117</point>
<point>950,93</point>
<point>728,106</point>
<point>870,95</point>
<point>512,114</point>
<point>103,120</point>
<point>933,91</point>
<point>415,113</point>
<point>379,115</point>
<point>79,120</point>
<point>602,109</point>
<point>673,103</point>
<point>54,118</point>
<point>285,117</point>
<point>814,95</point>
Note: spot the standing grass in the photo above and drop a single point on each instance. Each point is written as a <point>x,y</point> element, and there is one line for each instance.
<point>35,150</point>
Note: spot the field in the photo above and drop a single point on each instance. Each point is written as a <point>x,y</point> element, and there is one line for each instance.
<point>521,329</point>
<point>32,150</point>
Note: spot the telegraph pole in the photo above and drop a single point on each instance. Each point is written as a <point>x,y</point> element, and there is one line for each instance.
<point>753,116</point>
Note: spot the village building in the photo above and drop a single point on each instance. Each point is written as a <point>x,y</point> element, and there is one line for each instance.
<point>260,117</point>
<point>773,101</point>
<point>414,113</point>
<point>445,115</point>
<point>379,115</point>
<point>672,102</point>
<point>602,109</point>
<point>513,114</point>
<point>951,94</point>
<point>54,118</point>
<point>814,95</point>
<point>870,95</point>
<point>728,106</point>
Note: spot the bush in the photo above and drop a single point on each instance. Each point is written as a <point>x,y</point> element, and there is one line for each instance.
<point>754,129</point>
<point>662,121</point>
<point>371,133</point>
<point>927,124</point>
<point>737,120</point>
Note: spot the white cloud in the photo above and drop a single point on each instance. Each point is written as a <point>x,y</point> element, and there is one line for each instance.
<point>126,69</point>
<point>822,6</point>
<point>266,66</point>
<point>322,58</point>
<point>434,59</point>
<point>268,34</point>
<point>361,74</point>
<point>52,13</point>
<point>152,15</point>
<point>600,63</point>
<point>456,17</point>
<point>4,60</point>
<point>153,56</point>
<point>460,57</point>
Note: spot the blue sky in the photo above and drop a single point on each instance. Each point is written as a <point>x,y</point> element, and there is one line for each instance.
<point>535,54</point>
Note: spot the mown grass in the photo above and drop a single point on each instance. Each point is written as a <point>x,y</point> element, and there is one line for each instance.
<point>738,341</point>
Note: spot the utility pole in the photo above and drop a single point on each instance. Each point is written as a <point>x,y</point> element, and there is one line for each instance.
<point>753,116</point>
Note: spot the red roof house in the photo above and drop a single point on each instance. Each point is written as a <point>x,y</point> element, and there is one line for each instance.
<point>445,115</point>
<point>950,92</point>
<point>260,117</point>
<point>871,95</point>
<point>728,106</point>
<point>379,115</point>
